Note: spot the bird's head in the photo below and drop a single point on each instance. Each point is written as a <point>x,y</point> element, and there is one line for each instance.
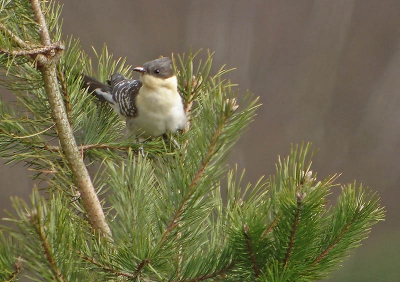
<point>158,73</point>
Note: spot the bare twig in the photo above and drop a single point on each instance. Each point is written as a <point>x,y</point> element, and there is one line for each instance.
<point>47,66</point>
<point>34,51</point>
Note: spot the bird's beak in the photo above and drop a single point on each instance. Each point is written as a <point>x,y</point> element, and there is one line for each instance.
<point>139,69</point>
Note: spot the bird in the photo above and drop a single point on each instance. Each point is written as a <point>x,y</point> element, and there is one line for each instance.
<point>151,106</point>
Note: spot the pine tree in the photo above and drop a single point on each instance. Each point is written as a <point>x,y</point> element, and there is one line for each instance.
<point>167,215</point>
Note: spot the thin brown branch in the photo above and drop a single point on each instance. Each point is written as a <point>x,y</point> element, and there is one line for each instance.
<point>217,275</point>
<point>47,66</point>
<point>211,151</point>
<point>106,268</point>
<point>141,266</point>
<point>36,222</point>
<point>34,51</point>
<point>250,251</point>
<point>271,226</point>
<point>192,88</point>
<point>17,270</point>
<point>17,40</point>
<point>58,149</point>
<point>293,231</point>
<point>92,260</point>
<point>28,51</point>
<point>86,147</point>
<point>330,247</point>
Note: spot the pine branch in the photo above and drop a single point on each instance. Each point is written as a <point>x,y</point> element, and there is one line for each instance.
<point>21,43</point>
<point>191,189</point>
<point>107,268</point>
<point>140,268</point>
<point>10,266</point>
<point>51,49</point>
<point>87,147</point>
<point>17,269</point>
<point>217,275</point>
<point>36,223</point>
<point>299,199</point>
<point>271,226</point>
<point>28,51</point>
<point>82,179</point>
<point>325,252</point>
<point>250,251</point>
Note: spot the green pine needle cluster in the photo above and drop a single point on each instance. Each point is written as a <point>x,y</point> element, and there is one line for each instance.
<point>176,214</point>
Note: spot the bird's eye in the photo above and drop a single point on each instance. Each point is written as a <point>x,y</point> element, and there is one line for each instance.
<point>156,71</point>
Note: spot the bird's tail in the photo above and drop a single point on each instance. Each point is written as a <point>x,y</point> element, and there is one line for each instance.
<point>102,91</point>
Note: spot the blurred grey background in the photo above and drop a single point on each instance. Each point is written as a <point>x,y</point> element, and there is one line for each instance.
<point>326,71</point>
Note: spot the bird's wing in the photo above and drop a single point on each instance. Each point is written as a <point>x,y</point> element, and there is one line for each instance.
<point>125,92</point>
<point>115,79</point>
<point>100,90</point>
